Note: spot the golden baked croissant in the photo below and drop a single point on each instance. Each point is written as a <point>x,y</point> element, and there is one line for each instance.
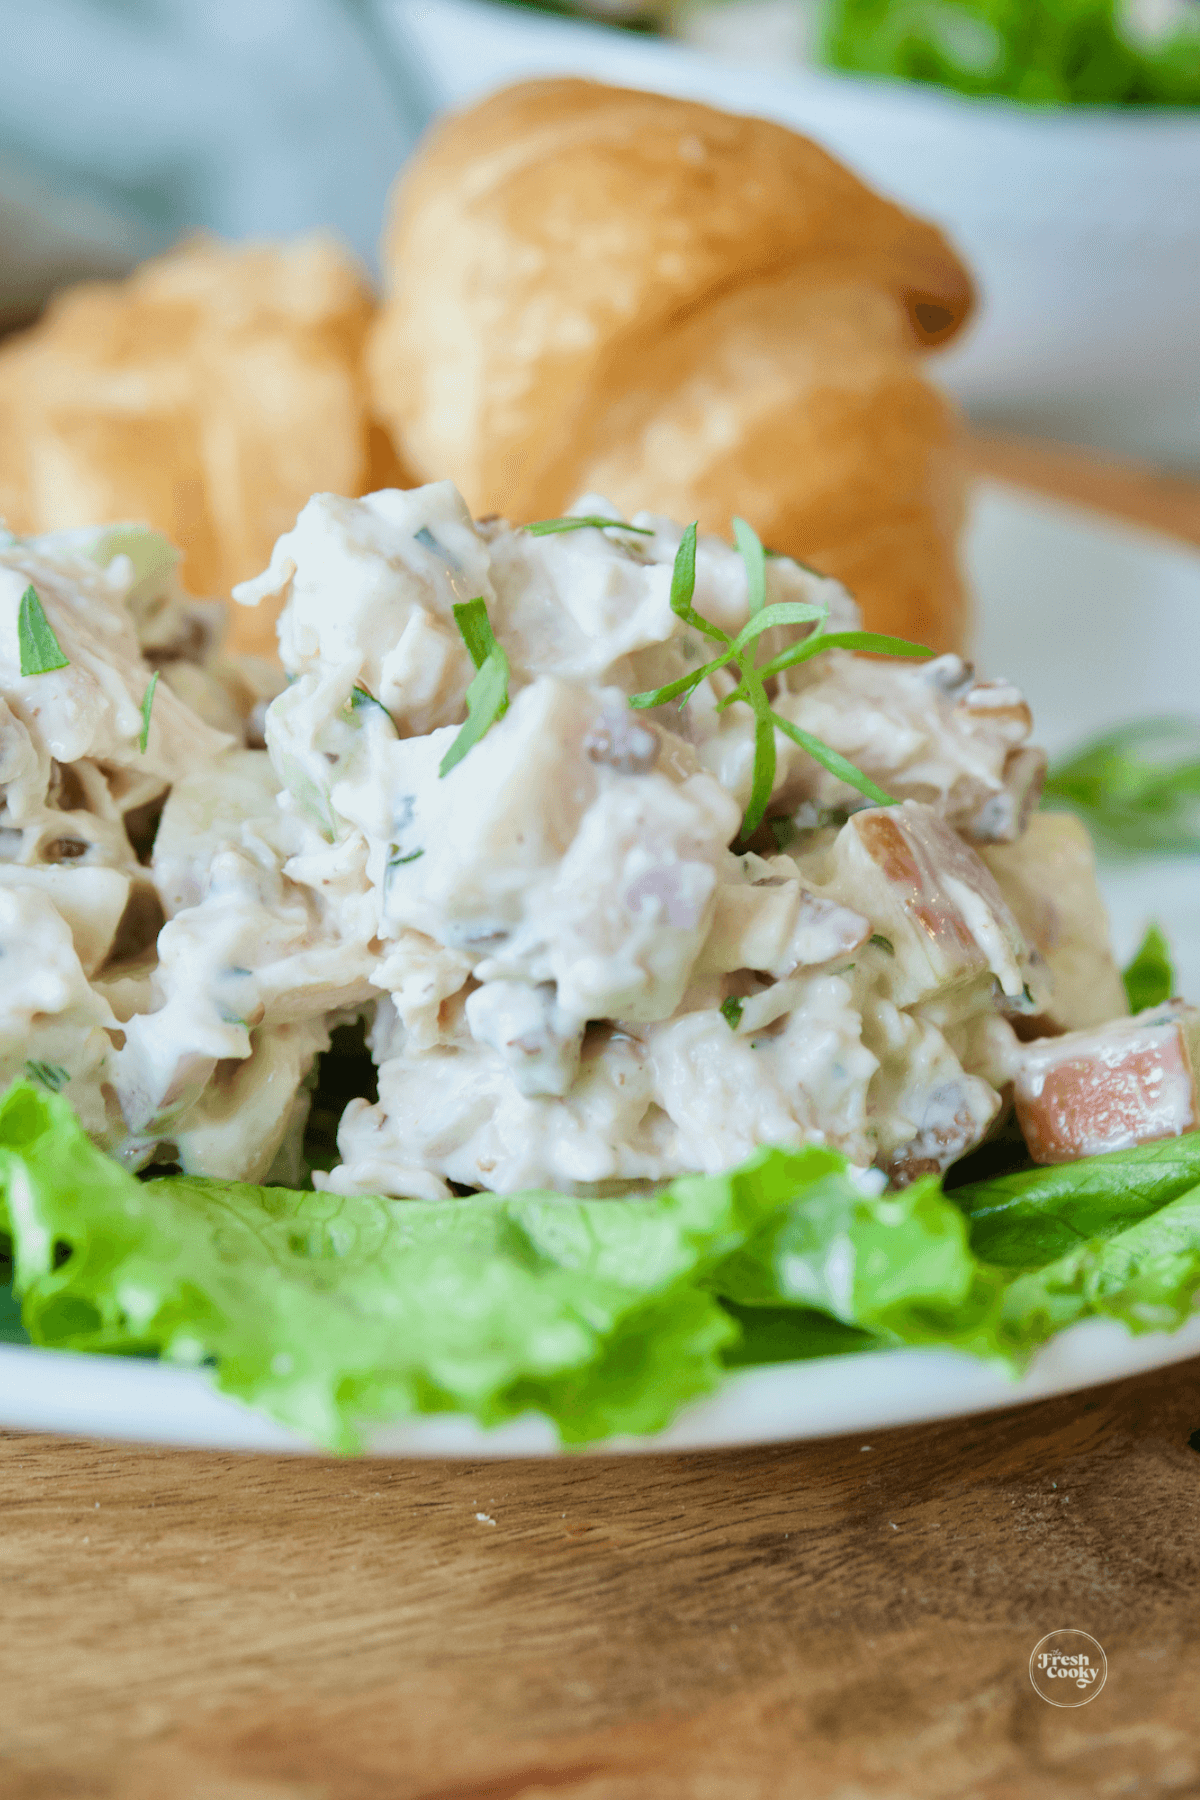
<point>208,395</point>
<point>595,290</point>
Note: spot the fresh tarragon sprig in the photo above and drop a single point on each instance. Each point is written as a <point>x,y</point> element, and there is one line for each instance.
<point>487,696</point>
<point>742,653</point>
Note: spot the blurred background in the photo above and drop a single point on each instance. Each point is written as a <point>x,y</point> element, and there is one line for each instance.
<point>1058,141</point>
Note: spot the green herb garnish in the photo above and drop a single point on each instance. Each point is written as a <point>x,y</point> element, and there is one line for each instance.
<point>40,650</point>
<point>147,703</point>
<point>1150,977</point>
<point>51,1075</point>
<point>551,527</point>
<point>752,555</point>
<point>881,943</point>
<point>731,1011</point>
<point>1138,787</point>
<point>398,862</point>
<point>426,537</point>
<point>487,696</point>
<point>741,652</point>
<point>361,698</point>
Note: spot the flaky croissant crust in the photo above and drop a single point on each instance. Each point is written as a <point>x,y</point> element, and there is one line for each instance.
<point>208,394</point>
<point>591,288</point>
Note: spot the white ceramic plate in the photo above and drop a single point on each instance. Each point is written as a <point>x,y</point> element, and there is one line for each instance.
<point>1098,623</point>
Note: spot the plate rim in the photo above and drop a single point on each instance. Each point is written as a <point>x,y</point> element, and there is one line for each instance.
<point>182,1408</point>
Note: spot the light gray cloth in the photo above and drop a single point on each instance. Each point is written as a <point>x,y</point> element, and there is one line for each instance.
<point>124,123</point>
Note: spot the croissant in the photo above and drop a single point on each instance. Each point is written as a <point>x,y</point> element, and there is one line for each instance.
<point>595,290</point>
<point>208,395</point>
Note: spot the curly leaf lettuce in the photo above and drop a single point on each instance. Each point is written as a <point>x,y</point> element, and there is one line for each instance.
<point>897,1266</point>
<point>605,1316</point>
<point>11,1329</point>
<point>996,1268</point>
<point>329,1311</point>
<point>1032,1218</point>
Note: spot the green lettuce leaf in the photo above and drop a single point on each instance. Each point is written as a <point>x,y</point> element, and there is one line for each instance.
<point>11,1329</point>
<point>1029,1219</point>
<point>996,1267</point>
<point>1146,1276</point>
<point>1137,788</point>
<point>329,1311</point>
<point>605,1316</point>
<point>897,1266</point>
<point>775,1334</point>
<point>1115,1235</point>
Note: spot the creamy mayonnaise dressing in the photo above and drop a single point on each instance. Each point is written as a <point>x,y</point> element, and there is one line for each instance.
<point>571,977</point>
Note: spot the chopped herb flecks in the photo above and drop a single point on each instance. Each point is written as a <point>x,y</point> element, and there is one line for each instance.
<point>40,650</point>
<point>426,537</point>
<point>49,1074</point>
<point>361,698</point>
<point>1150,977</point>
<point>147,703</point>
<point>487,696</point>
<point>550,527</point>
<point>731,1011</point>
<point>882,943</point>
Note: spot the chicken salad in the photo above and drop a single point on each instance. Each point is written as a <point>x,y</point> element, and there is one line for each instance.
<point>630,852</point>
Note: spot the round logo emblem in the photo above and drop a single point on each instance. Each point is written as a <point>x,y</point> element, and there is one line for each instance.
<point>1068,1668</point>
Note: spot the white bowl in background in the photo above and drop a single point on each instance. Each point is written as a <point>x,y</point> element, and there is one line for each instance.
<point>1082,224</point>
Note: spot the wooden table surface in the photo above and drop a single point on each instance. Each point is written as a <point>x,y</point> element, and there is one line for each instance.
<point>850,1619</point>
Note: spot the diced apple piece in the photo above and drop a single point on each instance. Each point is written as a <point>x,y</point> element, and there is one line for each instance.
<point>929,894</point>
<point>996,709</point>
<point>1132,1081</point>
<point>1049,880</point>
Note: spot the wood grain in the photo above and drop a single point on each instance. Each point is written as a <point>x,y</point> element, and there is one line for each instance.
<point>812,1620</point>
<point>820,1621</point>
